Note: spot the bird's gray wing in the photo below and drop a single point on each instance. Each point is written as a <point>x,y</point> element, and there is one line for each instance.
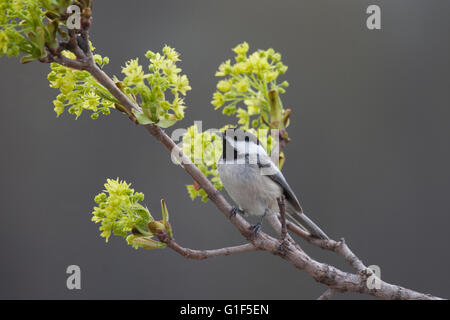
<point>278,177</point>
<point>294,209</point>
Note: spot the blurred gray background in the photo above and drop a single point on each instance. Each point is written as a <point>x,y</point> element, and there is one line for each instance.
<point>369,158</point>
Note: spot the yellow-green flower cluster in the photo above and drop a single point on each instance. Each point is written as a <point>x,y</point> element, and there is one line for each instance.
<point>119,210</point>
<point>121,214</point>
<point>21,28</point>
<point>79,90</point>
<point>32,26</point>
<point>204,150</point>
<point>151,90</point>
<point>248,82</point>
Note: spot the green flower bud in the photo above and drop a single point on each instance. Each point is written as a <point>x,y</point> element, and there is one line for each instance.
<point>169,229</point>
<point>98,59</point>
<point>241,49</point>
<point>156,227</point>
<point>139,196</point>
<point>284,84</point>
<point>242,85</point>
<point>281,67</point>
<point>101,197</point>
<point>224,85</point>
<point>147,243</point>
<point>240,68</point>
<point>218,99</point>
<point>229,110</point>
<point>270,52</point>
<point>52,76</point>
<point>150,54</point>
<point>276,57</point>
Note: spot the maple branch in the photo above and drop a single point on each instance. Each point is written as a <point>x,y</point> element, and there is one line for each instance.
<point>204,254</point>
<point>286,248</point>
<point>326,274</point>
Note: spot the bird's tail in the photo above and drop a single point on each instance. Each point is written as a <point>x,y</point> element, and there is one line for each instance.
<point>306,223</point>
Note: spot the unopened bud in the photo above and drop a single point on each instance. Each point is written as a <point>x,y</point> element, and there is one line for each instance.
<point>156,227</point>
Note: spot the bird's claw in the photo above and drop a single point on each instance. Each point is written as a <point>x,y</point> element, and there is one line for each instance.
<point>235,210</point>
<point>255,228</point>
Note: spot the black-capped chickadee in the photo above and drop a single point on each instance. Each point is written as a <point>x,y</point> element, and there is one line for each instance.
<point>254,182</point>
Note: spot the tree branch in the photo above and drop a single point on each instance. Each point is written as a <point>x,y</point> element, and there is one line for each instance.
<point>204,254</point>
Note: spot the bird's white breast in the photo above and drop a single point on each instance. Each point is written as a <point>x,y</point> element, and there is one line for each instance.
<point>252,191</point>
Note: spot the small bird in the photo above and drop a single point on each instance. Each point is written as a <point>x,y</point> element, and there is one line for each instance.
<point>255,183</point>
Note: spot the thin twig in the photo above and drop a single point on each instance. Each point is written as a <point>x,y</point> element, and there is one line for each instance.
<point>340,247</point>
<point>282,206</point>
<point>343,250</point>
<point>276,225</point>
<point>204,254</point>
